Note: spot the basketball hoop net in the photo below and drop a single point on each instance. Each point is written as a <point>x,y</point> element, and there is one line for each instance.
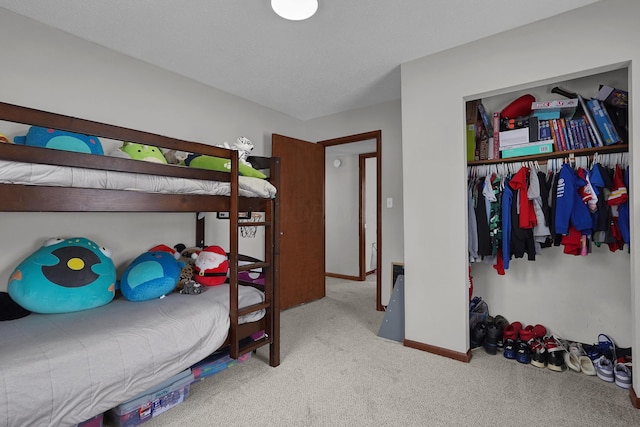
<point>249,231</point>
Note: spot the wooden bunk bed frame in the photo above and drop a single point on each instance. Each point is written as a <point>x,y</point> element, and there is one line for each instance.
<point>33,198</point>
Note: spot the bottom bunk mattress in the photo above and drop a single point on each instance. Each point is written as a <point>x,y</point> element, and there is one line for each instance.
<point>62,369</point>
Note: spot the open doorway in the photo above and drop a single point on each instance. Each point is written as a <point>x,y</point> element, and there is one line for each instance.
<point>353,209</point>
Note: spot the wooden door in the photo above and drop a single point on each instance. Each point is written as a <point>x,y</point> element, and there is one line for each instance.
<point>301,194</point>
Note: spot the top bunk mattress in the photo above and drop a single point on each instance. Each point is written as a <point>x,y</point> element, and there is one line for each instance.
<point>12,172</point>
<point>62,369</point>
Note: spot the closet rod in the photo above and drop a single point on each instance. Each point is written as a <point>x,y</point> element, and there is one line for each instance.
<point>618,148</point>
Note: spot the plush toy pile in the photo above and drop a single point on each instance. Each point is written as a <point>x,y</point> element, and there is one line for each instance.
<point>67,275</point>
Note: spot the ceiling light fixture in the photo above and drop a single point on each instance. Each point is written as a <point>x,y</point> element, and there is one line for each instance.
<point>295,10</point>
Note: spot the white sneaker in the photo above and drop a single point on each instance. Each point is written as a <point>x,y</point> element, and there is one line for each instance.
<point>572,361</point>
<point>604,369</point>
<point>587,365</point>
<point>623,375</point>
<point>576,349</point>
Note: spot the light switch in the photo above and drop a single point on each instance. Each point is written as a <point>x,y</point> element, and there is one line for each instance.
<point>389,202</point>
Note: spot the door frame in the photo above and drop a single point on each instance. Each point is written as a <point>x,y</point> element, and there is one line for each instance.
<point>365,136</point>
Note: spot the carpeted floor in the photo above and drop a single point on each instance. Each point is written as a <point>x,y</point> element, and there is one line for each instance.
<point>336,371</point>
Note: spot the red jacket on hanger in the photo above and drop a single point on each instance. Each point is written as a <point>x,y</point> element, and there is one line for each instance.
<point>519,182</point>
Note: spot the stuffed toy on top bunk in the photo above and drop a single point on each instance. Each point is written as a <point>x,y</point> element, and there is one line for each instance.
<point>60,140</point>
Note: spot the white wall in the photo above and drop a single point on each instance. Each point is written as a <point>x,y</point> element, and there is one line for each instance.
<point>434,90</point>
<point>53,71</point>
<point>341,214</point>
<point>370,215</point>
<point>386,117</point>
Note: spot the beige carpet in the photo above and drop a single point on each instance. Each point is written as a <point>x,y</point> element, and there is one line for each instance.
<point>336,371</point>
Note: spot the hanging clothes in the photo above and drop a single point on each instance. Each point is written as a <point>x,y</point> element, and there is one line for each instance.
<point>526,214</point>
<point>516,209</point>
<point>569,206</point>
<point>507,201</point>
<point>623,214</point>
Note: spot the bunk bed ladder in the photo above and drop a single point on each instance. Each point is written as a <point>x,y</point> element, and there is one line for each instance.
<point>270,268</point>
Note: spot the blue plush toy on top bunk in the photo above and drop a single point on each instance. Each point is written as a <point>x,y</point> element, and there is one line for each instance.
<point>64,275</point>
<point>60,140</point>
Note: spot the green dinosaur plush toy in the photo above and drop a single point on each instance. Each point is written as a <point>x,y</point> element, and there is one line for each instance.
<point>148,153</point>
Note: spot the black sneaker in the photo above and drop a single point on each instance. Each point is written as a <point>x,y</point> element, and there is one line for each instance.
<point>523,352</point>
<point>478,334</point>
<point>493,334</point>
<point>538,353</point>
<point>555,354</point>
<point>509,349</point>
<point>500,323</point>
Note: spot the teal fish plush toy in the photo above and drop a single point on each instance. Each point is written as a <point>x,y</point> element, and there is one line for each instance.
<point>64,275</point>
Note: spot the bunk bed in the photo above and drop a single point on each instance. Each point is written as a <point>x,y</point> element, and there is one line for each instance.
<point>62,369</point>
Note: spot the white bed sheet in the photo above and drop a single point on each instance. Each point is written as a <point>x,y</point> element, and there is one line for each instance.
<point>62,369</point>
<point>64,176</point>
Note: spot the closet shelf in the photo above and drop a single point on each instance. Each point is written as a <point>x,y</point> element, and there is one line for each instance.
<point>618,148</point>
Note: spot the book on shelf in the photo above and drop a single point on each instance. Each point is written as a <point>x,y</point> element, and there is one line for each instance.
<point>615,97</point>
<point>486,120</point>
<point>583,131</point>
<point>482,141</point>
<point>528,149</point>
<point>603,122</point>
<point>564,146</point>
<point>471,142</point>
<point>544,133</point>
<point>513,137</point>
<point>591,124</point>
<point>616,103</point>
<point>496,135</point>
<point>473,150</point>
<point>566,133</point>
<point>555,136</point>
<point>574,134</point>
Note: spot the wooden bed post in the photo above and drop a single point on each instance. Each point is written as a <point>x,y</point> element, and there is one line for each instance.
<point>199,229</point>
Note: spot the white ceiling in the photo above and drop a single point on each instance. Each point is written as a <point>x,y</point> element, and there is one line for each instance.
<point>347,56</point>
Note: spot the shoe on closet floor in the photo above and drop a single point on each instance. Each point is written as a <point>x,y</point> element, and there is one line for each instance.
<point>586,365</point>
<point>622,375</point>
<point>592,351</point>
<point>478,334</point>
<point>511,331</point>
<point>572,361</point>
<point>577,349</point>
<point>606,347</point>
<point>523,352</point>
<point>555,357</point>
<point>604,369</point>
<point>530,332</point>
<point>500,323</point>
<point>538,353</point>
<point>509,348</point>
<point>493,334</point>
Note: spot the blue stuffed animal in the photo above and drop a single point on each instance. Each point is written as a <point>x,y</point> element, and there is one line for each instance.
<point>64,275</point>
<point>60,140</point>
<point>151,275</point>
